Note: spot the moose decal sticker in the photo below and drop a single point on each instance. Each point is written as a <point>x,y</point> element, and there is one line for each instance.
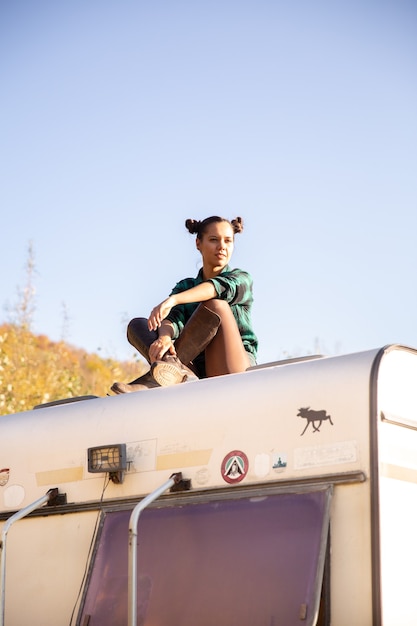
<point>315,418</point>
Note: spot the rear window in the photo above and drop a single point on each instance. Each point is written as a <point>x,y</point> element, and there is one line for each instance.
<point>244,562</point>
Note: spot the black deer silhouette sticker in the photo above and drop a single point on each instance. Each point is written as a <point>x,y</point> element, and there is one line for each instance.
<point>313,417</point>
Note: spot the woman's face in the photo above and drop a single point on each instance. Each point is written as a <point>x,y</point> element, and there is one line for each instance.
<point>216,246</point>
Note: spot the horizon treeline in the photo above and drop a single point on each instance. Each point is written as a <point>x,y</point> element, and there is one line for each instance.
<point>35,370</point>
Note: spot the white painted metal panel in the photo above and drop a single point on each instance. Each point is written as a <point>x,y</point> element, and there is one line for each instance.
<point>397,468</point>
<point>192,427</point>
<point>263,420</point>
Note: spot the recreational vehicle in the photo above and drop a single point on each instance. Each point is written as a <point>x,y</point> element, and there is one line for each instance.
<point>285,495</point>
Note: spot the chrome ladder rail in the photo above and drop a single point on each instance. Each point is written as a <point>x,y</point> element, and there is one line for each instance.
<point>133,544</point>
<point>50,495</point>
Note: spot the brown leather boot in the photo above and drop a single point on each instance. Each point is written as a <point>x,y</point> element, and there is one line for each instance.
<point>139,384</point>
<point>140,338</point>
<point>171,371</point>
<point>200,329</point>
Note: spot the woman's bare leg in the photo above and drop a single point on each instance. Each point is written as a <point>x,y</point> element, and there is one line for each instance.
<point>225,354</point>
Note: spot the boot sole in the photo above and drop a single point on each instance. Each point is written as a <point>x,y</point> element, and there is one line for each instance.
<point>167,374</point>
<point>119,388</point>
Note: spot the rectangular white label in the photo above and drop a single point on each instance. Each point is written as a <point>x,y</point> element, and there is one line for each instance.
<point>329,454</point>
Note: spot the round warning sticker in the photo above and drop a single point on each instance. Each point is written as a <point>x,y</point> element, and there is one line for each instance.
<point>235,466</point>
<point>4,476</point>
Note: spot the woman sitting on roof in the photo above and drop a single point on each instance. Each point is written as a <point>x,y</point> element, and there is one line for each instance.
<point>204,327</point>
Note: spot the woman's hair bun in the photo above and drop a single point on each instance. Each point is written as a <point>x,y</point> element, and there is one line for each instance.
<point>198,227</point>
<point>192,226</point>
<point>237,225</point>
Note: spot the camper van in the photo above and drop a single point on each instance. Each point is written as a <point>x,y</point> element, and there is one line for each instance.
<point>285,495</point>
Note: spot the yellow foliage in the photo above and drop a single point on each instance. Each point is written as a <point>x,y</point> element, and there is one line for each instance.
<point>34,370</point>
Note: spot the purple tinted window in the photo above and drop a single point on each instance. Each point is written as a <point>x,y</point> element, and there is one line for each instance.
<point>245,562</point>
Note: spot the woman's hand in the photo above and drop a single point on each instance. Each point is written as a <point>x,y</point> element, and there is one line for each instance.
<point>160,347</point>
<point>159,313</point>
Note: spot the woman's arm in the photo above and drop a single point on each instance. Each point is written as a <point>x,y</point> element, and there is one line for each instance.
<point>164,343</point>
<point>157,321</point>
<point>200,293</point>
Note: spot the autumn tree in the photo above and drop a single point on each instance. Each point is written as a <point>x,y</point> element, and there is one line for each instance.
<point>35,370</point>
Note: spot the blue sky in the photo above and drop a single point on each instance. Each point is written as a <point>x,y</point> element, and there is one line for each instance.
<point>121,119</point>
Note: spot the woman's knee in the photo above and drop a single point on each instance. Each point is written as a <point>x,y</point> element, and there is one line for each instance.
<point>137,327</point>
<point>221,307</point>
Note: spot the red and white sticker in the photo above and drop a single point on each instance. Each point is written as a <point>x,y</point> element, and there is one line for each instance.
<point>235,466</point>
<point>4,476</point>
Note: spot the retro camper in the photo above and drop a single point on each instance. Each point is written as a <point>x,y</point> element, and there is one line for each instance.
<point>286,495</point>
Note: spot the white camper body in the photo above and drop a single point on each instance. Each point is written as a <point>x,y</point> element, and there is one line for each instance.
<point>300,504</point>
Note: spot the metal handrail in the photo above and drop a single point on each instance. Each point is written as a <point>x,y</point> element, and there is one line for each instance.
<point>50,495</point>
<point>133,542</point>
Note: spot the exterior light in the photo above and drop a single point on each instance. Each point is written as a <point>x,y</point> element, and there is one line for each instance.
<point>111,459</point>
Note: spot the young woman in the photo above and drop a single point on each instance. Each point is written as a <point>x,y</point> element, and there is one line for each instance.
<point>204,327</point>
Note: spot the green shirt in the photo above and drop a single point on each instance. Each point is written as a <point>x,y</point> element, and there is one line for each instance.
<point>232,285</point>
